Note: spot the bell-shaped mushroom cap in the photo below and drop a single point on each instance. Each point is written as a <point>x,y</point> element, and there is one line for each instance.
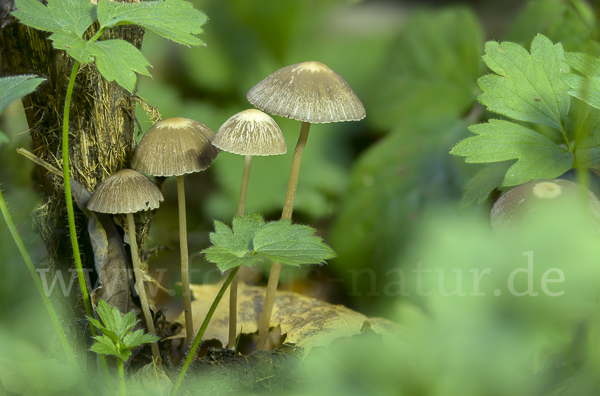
<point>250,132</point>
<point>175,146</point>
<point>309,92</point>
<point>513,207</point>
<point>126,191</point>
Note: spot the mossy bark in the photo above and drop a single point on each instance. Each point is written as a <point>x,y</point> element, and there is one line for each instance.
<point>102,135</point>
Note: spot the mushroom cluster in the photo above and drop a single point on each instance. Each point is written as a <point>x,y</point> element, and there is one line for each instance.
<point>171,147</point>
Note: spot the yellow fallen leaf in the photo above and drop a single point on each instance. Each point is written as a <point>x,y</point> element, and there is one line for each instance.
<point>306,321</point>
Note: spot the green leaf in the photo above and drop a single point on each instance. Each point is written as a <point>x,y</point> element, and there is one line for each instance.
<point>433,70</point>
<point>479,188</point>
<point>175,20</point>
<point>75,46</point>
<point>526,87</point>
<point>105,312</point>
<point>496,141</point>
<point>138,337</point>
<point>69,15</point>
<point>584,87</point>
<point>291,244</point>
<point>12,88</point>
<point>232,246</point>
<point>105,343</point>
<point>587,136</point>
<point>118,60</point>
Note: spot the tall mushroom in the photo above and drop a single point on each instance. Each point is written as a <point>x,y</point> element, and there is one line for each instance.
<point>173,147</point>
<point>128,192</point>
<point>312,93</point>
<point>249,132</point>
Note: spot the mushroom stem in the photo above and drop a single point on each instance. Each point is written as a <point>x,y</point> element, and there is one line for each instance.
<point>234,283</point>
<point>290,195</point>
<point>185,272</point>
<point>139,283</point>
<point>288,208</point>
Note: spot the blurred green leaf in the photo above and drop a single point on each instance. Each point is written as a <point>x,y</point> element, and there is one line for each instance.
<point>496,141</point>
<point>432,71</point>
<point>3,138</point>
<point>175,20</point>
<point>12,88</point>
<point>69,15</point>
<point>584,87</point>
<point>479,188</point>
<point>569,22</point>
<point>392,184</point>
<point>526,87</point>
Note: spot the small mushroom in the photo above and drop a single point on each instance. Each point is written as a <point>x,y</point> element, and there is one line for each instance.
<point>173,147</point>
<point>514,206</point>
<point>249,132</point>
<point>312,93</point>
<point>128,192</point>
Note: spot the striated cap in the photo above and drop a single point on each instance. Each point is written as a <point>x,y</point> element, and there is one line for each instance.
<point>250,132</point>
<point>309,92</point>
<point>175,146</point>
<point>126,191</point>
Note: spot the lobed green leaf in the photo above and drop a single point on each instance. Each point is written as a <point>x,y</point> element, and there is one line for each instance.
<point>12,88</point>
<point>69,15</point>
<point>291,244</point>
<point>526,87</point>
<point>75,46</point>
<point>538,157</point>
<point>232,246</point>
<point>176,20</point>
<point>119,61</point>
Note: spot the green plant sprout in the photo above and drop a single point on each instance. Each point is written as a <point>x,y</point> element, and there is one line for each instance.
<point>117,60</point>
<point>117,339</point>
<point>534,90</point>
<point>250,240</point>
<point>38,283</point>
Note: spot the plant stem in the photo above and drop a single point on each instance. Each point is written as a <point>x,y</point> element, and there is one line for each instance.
<point>234,283</point>
<point>185,270</point>
<point>209,315</point>
<point>288,208</point>
<point>121,378</point>
<point>71,217</point>
<point>38,283</point>
<point>244,189</point>
<point>139,280</point>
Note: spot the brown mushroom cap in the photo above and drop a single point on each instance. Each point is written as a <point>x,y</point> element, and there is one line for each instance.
<point>309,92</point>
<point>175,146</point>
<point>522,201</point>
<point>250,132</point>
<point>127,191</point>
